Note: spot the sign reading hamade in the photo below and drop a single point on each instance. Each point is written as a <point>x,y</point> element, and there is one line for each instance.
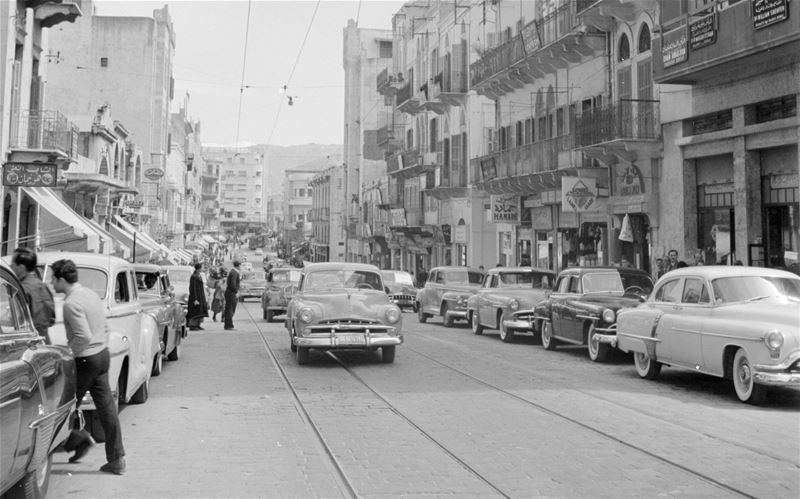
<point>578,194</point>
<point>505,209</point>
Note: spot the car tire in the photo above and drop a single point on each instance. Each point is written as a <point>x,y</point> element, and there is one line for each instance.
<point>302,355</point>
<point>264,313</point>
<point>34,484</point>
<point>142,394</point>
<point>446,319</point>
<point>548,342</point>
<point>421,316</point>
<point>744,384</point>
<point>292,346</point>
<point>598,352</point>
<point>506,334</point>
<point>268,315</point>
<point>387,354</point>
<point>158,364</point>
<point>646,367</point>
<point>175,354</point>
<point>475,322</point>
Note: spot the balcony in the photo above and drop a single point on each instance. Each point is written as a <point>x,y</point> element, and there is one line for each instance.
<point>319,215</point>
<point>388,84</point>
<point>601,14</point>
<point>407,100</point>
<point>390,137</point>
<point>53,12</point>
<point>206,194</point>
<point>42,137</point>
<point>696,48</point>
<point>410,163</point>
<point>543,46</point>
<point>625,130</point>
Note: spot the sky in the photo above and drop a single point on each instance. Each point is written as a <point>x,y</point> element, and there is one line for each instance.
<point>210,54</point>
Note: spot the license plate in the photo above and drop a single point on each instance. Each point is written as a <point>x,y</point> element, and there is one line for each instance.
<point>350,339</point>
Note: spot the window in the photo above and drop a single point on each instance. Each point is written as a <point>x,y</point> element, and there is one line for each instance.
<point>104,62</point>
<point>122,294</point>
<point>624,50</point>
<point>239,214</point>
<point>385,50</point>
<point>695,291</point>
<point>669,292</point>
<point>13,317</point>
<point>644,39</point>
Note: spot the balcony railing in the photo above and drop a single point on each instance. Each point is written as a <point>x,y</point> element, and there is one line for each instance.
<point>404,93</point>
<point>388,135</point>
<point>535,157</point>
<point>38,130</point>
<point>496,60</point>
<point>52,12</point>
<point>625,120</point>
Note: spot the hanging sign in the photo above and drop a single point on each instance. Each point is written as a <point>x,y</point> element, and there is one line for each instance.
<point>769,12</point>
<point>154,173</point>
<point>673,47</point>
<point>133,203</point>
<point>398,216</point>
<point>29,175</point>
<point>578,194</point>
<point>461,234</point>
<point>628,181</point>
<point>703,31</point>
<point>626,232</point>
<point>505,209</point>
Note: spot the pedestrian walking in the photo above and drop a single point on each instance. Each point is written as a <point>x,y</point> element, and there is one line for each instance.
<point>87,336</point>
<point>231,290</point>
<point>218,301</point>
<point>198,306</point>
<point>40,298</point>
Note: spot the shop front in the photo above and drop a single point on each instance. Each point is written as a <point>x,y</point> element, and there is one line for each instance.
<point>780,213</point>
<point>633,204</point>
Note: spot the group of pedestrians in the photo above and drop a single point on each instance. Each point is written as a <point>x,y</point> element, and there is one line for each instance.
<point>224,298</point>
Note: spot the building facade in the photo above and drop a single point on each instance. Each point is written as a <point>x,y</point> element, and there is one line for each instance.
<point>242,188</point>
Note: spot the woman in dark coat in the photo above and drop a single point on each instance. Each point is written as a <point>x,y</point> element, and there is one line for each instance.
<point>198,306</point>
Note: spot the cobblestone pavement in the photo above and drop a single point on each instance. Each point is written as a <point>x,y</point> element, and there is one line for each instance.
<point>221,422</point>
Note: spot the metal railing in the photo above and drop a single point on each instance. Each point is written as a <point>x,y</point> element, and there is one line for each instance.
<point>536,157</point>
<point>43,130</point>
<point>623,120</point>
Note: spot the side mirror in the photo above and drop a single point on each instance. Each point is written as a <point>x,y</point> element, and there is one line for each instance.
<point>386,289</point>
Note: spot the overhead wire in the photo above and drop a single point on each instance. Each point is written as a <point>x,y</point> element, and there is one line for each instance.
<point>244,67</point>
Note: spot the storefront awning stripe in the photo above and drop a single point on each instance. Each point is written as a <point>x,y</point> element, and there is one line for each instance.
<point>118,245</point>
<point>143,249</point>
<point>61,211</point>
<point>148,241</point>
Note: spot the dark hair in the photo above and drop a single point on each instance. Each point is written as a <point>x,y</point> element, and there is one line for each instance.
<point>26,257</point>
<point>65,269</point>
<point>236,263</point>
<point>198,266</point>
<point>681,265</point>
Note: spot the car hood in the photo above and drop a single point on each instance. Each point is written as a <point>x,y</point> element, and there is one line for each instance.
<point>462,288</point>
<point>395,287</point>
<point>347,304</point>
<point>609,301</point>
<point>527,297</point>
<point>256,283</point>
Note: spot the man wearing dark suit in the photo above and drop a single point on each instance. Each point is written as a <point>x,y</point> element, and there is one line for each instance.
<point>231,290</point>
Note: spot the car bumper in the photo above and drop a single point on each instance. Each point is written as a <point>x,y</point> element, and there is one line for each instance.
<point>607,335</point>
<point>349,338</point>
<point>785,373</point>
<point>523,319</point>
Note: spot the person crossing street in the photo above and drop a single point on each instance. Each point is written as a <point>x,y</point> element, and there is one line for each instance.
<point>231,290</point>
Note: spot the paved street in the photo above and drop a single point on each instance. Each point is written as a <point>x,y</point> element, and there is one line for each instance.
<point>456,415</point>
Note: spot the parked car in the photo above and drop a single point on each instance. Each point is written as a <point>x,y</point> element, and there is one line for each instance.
<point>37,395</point>
<point>158,300</point>
<point>281,286</point>
<point>252,285</point>
<point>179,276</point>
<point>738,323</point>
<point>134,344</point>
<point>507,300</point>
<point>343,306</point>
<point>582,309</point>
<point>402,291</point>
<point>246,266</point>
<point>446,293</point>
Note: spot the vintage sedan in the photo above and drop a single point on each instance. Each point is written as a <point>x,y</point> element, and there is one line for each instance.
<point>179,276</point>
<point>281,286</point>
<point>739,323</point>
<point>507,300</point>
<point>402,291</point>
<point>37,395</point>
<point>343,306</point>
<point>158,300</point>
<point>252,285</point>
<point>134,343</point>
<point>582,309</point>
<point>446,293</point>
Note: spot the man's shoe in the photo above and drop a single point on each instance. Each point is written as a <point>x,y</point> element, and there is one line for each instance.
<point>81,450</point>
<point>229,329</point>
<point>200,328</point>
<point>117,466</point>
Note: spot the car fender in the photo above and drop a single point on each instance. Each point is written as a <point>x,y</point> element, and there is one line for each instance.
<point>637,330</point>
<point>472,303</point>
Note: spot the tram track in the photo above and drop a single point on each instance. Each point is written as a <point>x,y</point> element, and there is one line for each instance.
<point>346,485</point>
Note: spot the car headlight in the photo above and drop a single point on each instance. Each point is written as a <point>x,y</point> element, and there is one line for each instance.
<point>513,304</point>
<point>306,315</point>
<point>392,315</point>
<point>461,301</point>
<point>774,340</point>
<point>609,315</point>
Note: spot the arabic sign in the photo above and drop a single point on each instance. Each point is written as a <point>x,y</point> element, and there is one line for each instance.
<point>461,234</point>
<point>769,12</point>
<point>133,203</point>
<point>703,31</point>
<point>398,217</point>
<point>578,194</point>
<point>154,173</point>
<point>29,175</point>
<point>505,209</point>
<point>531,38</point>
<point>673,47</point>
<point>628,181</point>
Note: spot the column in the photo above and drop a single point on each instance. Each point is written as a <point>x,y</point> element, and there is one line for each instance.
<point>746,197</point>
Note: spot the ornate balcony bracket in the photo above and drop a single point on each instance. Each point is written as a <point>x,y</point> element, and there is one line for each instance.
<point>436,106</point>
<point>453,98</point>
<point>411,106</point>
<point>626,151</point>
<point>601,14</point>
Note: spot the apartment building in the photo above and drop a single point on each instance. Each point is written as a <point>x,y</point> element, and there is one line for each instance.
<point>242,188</point>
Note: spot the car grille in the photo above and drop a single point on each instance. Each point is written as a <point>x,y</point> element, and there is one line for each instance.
<point>347,322</point>
<point>403,297</point>
<point>525,315</point>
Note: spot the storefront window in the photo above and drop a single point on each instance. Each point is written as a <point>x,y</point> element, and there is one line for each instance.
<point>544,250</point>
<point>715,220</point>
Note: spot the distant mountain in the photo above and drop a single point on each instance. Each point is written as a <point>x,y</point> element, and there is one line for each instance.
<point>281,158</point>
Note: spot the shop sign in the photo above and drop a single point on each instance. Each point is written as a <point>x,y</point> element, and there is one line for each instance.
<point>703,31</point>
<point>446,233</point>
<point>784,181</point>
<point>398,217</point>
<point>673,47</point>
<point>578,194</point>
<point>628,181</point>
<point>461,234</point>
<point>133,203</point>
<point>525,234</point>
<point>488,169</point>
<point>722,188</point>
<point>29,175</point>
<point>542,218</point>
<point>769,12</point>
<point>505,209</point>
<point>530,37</point>
<point>154,173</point>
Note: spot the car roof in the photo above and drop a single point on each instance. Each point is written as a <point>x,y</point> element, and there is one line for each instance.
<point>177,267</point>
<point>455,267</point>
<point>714,271</point>
<point>146,267</point>
<point>501,270</point>
<point>48,257</point>
<point>621,270</point>
<point>340,265</point>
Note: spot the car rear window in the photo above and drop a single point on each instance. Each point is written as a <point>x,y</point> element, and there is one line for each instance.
<point>94,279</point>
<point>463,277</point>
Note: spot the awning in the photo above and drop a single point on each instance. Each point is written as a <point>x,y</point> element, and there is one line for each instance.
<point>61,228</point>
<point>147,241</point>
<point>119,248</point>
<point>143,249</point>
<point>208,239</point>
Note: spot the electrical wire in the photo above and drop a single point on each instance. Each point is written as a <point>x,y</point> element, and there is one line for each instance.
<point>244,67</point>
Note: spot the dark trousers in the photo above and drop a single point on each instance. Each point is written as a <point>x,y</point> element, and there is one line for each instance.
<point>230,308</point>
<point>92,375</point>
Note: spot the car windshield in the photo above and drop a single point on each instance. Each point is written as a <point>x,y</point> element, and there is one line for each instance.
<point>257,275</point>
<point>94,279</point>
<point>463,277</point>
<point>397,277</point>
<point>741,288</point>
<point>516,279</point>
<point>602,282</point>
<point>342,278</point>
<point>286,276</point>
<point>638,281</point>
<point>147,283</point>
